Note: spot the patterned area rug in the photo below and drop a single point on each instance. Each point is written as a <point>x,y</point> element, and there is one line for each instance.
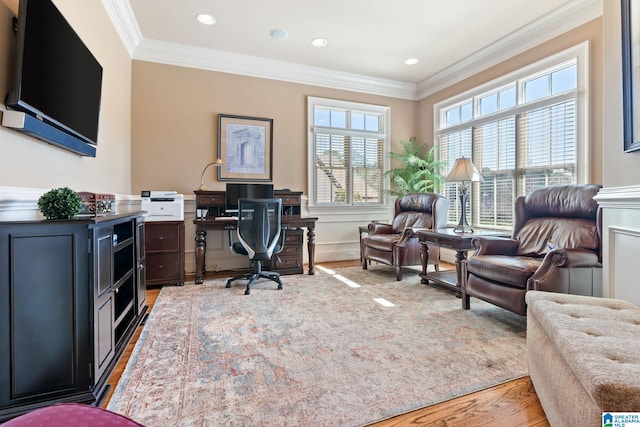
<point>317,353</point>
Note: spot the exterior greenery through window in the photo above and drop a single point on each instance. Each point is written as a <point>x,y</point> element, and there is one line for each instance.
<point>522,133</point>
<point>347,142</point>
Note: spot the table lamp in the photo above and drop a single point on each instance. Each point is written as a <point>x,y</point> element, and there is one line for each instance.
<point>463,171</point>
<point>218,163</point>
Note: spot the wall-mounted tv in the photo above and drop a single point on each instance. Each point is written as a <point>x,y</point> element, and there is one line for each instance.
<point>58,81</point>
<point>236,191</point>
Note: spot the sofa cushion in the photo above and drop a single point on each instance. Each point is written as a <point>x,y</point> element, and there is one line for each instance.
<point>509,270</point>
<point>540,235</point>
<point>381,242</point>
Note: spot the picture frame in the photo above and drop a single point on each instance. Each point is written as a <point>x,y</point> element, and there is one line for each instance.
<point>631,74</point>
<point>245,145</point>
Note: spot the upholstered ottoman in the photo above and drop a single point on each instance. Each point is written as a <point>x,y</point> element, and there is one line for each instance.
<point>584,356</point>
<point>71,415</point>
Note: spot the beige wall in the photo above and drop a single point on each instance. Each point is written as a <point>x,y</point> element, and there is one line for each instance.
<point>591,31</point>
<point>28,162</point>
<point>620,168</point>
<point>175,110</point>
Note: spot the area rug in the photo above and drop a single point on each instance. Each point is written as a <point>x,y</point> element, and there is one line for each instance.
<point>320,352</point>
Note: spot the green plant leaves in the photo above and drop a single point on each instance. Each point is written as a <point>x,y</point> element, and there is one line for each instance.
<point>60,203</point>
<point>420,172</point>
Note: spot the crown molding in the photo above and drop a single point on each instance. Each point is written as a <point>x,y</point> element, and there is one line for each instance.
<point>570,16</point>
<point>124,22</point>
<point>253,66</point>
<point>554,24</point>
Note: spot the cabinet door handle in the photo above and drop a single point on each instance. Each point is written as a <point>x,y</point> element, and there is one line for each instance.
<point>161,237</point>
<point>161,266</point>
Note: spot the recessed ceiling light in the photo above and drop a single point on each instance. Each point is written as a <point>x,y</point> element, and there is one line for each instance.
<point>411,61</point>
<point>319,42</point>
<point>279,34</point>
<point>206,19</point>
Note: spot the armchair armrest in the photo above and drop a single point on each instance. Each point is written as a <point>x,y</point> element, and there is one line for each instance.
<point>407,234</point>
<point>493,245</point>
<point>562,258</point>
<point>379,228</point>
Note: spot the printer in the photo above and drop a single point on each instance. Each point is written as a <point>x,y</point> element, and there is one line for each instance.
<point>162,205</point>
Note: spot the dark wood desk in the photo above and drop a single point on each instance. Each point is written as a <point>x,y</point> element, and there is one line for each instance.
<point>290,221</point>
<point>459,242</point>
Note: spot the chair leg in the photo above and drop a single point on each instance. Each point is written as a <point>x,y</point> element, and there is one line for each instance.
<point>398,273</point>
<point>256,275</point>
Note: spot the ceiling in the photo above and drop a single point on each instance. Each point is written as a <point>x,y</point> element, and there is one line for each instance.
<point>368,40</point>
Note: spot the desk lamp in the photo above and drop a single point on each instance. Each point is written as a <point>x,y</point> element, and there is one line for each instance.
<point>218,163</point>
<point>463,171</point>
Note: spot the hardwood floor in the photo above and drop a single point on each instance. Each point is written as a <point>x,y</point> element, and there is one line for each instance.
<point>512,404</point>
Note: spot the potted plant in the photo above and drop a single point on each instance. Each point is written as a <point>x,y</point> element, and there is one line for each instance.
<point>60,203</point>
<point>420,171</point>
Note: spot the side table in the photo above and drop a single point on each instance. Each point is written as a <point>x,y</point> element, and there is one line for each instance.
<point>459,242</point>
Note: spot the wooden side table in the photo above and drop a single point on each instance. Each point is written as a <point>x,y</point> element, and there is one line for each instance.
<point>459,242</point>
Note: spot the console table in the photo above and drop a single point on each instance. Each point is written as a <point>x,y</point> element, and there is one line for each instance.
<point>289,261</point>
<point>461,243</point>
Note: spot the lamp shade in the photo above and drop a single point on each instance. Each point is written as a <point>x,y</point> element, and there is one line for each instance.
<point>464,170</point>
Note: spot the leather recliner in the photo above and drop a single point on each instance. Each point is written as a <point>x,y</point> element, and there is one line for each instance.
<point>397,244</point>
<point>555,246</point>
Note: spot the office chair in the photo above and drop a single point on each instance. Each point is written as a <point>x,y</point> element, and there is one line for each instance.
<point>260,236</point>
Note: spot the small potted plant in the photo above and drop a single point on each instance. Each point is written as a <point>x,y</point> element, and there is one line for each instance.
<point>60,203</point>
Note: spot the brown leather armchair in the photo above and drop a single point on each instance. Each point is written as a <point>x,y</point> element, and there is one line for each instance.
<point>555,246</point>
<point>397,244</point>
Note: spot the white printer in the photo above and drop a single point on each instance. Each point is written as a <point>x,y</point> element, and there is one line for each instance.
<point>162,205</point>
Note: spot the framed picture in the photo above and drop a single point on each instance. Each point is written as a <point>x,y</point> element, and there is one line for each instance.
<point>245,145</point>
<point>631,73</point>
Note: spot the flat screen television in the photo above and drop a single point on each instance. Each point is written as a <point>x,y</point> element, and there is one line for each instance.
<point>57,79</point>
<point>236,191</point>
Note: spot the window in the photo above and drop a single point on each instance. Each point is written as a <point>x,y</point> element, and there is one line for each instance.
<point>522,132</point>
<point>347,142</point>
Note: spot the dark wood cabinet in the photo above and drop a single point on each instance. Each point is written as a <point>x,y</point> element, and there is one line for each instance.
<point>69,305</point>
<point>164,248</point>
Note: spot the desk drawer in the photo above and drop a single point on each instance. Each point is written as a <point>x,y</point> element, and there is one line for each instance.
<point>292,237</point>
<point>163,266</point>
<point>211,200</point>
<point>290,250</point>
<point>162,237</point>
<point>284,262</point>
<point>291,200</point>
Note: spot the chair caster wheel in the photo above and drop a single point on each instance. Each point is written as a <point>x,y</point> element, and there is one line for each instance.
<point>247,292</point>
<point>228,285</point>
<point>280,287</point>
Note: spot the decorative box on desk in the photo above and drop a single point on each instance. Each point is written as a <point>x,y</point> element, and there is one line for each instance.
<point>96,203</point>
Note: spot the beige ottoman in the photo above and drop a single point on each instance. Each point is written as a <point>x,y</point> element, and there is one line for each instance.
<point>584,356</point>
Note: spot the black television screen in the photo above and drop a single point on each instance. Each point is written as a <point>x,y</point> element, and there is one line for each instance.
<point>235,191</point>
<point>58,80</point>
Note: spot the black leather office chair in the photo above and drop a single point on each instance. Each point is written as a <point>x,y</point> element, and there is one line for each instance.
<point>260,236</point>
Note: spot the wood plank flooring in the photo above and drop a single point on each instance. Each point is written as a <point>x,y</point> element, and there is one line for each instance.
<point>512,404</point>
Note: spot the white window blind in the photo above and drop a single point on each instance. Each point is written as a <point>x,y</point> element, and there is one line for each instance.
<point>520,131</point>
<point>347,144</point>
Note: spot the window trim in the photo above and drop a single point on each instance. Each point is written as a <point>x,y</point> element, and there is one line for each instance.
<point>384,112</point>
<point>578,53</point>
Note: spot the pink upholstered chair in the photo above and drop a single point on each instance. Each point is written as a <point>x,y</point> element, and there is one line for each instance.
<point>71,415</point>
